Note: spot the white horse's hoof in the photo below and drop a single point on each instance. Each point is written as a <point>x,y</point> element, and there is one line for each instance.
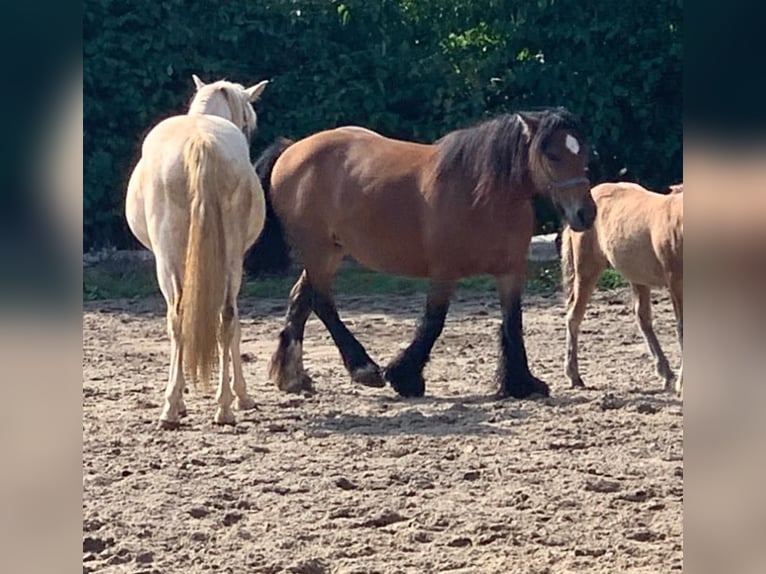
<point>224,417</point>
<point>167,424</point>
<point>245,403</point>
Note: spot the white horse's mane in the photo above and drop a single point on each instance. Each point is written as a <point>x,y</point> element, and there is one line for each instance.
<point>228,100</point>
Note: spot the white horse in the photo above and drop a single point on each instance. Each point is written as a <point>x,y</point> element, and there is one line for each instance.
<point>195,201</point>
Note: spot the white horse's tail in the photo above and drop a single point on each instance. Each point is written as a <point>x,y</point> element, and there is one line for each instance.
<point>204,283</point>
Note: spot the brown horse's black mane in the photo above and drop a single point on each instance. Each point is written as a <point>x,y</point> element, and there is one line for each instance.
<point>495,152</point>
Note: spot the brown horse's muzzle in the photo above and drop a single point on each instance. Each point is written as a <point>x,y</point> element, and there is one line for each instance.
<point>576,206</point>
<point>584,216</point>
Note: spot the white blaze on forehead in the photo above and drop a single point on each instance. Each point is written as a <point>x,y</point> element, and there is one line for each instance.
<point>572,144</point>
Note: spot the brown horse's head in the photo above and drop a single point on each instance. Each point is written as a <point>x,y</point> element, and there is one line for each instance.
<point>558,164</point>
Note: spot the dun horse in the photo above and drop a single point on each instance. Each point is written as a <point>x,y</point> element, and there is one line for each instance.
<point>196,203</point>
<point>456,208</point>
<point>639,233</point>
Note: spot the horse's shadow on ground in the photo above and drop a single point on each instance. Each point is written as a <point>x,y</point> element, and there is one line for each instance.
<point>478,415</point>
<point>468,416</point>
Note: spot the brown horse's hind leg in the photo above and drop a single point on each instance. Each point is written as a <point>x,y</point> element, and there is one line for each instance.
<point>405,372</point>
<point>286,367</point>
<point>360,366</point>
<point>513,376</point>
<point>642,305</point>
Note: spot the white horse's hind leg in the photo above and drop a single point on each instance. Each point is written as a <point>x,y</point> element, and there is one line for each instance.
<point>642,305</point>
<point>224,396</point>
<point>243,401</point>
<point>174,406</point>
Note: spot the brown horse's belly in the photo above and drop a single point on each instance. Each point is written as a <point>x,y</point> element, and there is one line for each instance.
<point>392,257</point>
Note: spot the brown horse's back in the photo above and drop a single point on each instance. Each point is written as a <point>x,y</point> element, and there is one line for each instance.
<point>326,189</point>
<point>350,191</point>
<point>639,232</point>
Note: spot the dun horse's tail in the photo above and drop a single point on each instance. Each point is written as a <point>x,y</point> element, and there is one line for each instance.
<point>264,165</point>
<point>567,265</point>
<point>204,283</point>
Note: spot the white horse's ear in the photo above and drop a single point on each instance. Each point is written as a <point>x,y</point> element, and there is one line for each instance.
<point>197,82</point>
<point>254,92</point>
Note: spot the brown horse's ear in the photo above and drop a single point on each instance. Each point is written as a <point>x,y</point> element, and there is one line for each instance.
<point>254,92</point>
<point>199,84</point>
<point>532,122</point>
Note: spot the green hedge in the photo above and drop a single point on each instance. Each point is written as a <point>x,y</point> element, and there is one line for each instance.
<point>412,69</point>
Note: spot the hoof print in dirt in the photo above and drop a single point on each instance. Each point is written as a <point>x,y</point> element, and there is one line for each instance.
<point>198,512</point>
<point>145,557</point>
<point>308,567</point>
<point>386,518</point>
<point>609,402</point>
<point>345,484</point>
<point>95,545</point>
<point>647,409</point>
<point>231,518</point>
<point>603,486</point>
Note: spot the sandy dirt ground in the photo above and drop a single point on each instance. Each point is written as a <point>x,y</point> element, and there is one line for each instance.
<point>357,480</point>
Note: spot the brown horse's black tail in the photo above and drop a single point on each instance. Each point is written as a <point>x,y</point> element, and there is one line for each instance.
<point>271,253</point>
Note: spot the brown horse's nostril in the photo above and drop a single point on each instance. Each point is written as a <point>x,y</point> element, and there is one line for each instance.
<point>585,217</point>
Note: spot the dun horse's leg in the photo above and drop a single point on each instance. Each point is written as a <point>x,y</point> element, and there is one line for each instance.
<point>513,375</point>
<point>405,372</point>
<point>588,263</point>
<point>642,306</point>
<point>583,287</point>
<point>677,297</point>
<point>358,363</point>
<point>286,368</point>
<point>224,396</point>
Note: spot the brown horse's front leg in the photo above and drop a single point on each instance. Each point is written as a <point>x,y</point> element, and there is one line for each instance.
<point>360,366</point>
<point>405,372</point>
<point>513,376</point>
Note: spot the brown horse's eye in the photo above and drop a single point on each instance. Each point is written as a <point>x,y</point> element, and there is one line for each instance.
<point>553,157</point>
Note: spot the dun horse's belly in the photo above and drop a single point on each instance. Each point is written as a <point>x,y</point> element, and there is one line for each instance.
<point>637,263</point>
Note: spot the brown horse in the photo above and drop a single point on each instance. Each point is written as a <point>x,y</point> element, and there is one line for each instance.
<point>456,208</point>
<point>639,233</point>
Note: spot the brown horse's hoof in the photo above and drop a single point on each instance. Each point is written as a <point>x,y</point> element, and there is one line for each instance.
<point>369,376</point>
<point>406,381</point>
<point>528,388</point>
<point>307,384</point>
